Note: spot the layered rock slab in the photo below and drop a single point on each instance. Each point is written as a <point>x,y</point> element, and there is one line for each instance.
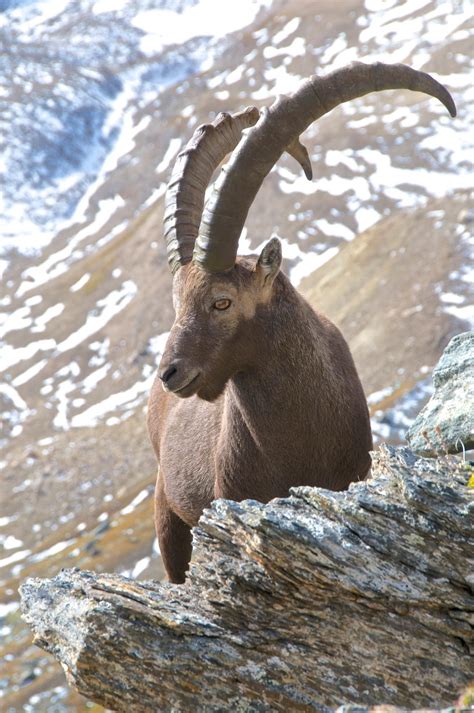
<point>305,603</point>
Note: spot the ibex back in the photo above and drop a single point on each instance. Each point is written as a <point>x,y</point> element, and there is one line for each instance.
<point>256,392</point>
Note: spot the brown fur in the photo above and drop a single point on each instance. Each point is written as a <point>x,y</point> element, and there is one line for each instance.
<point>276,401</point>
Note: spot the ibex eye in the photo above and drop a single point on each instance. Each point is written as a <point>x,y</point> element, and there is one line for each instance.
<point>221,304</point>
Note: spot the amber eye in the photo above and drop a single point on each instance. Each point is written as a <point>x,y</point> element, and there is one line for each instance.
<point>221,304</point>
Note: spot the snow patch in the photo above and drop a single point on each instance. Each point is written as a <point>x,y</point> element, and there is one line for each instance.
<point>204,19</point>
<point>29,373</point>
<point>106,309</point>
<point>171,151</point>
<point>59,262</point>
<point>287,30</point>
<point>81,282</point>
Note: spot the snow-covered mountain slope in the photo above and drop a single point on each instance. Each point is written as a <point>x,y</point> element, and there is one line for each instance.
<point>96,100</point>
<point>75,77</point>
<point>102,96</point>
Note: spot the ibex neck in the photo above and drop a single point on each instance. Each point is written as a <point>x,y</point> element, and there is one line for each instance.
<point>282,382</point>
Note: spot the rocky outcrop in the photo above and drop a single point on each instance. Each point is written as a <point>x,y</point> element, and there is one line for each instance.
<point>445,425</point>
<point>305,603</point>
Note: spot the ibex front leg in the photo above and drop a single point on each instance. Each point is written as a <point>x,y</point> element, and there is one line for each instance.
<point>174,537</point>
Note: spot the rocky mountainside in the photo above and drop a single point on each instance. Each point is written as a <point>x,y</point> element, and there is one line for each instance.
<point>97,98</point>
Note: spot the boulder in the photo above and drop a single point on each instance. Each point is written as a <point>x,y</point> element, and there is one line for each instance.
<point>303,604</point>
<point>446,423</point>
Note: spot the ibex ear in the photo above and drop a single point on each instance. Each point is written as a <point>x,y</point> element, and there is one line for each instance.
<point>269,261</point>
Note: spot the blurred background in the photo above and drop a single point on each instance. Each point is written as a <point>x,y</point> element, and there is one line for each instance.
<point>97,97</point>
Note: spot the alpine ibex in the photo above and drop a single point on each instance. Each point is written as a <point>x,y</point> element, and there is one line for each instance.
<point>269,396</point>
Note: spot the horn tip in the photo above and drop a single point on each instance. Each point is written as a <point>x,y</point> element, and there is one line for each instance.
<point>451,107</point>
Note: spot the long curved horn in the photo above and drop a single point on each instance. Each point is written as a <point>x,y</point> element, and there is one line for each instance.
<point>278,131</point>
<point>192,172</point>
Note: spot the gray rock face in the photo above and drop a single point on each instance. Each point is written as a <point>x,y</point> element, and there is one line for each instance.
<point>446,424</point>
<point>302,604</point>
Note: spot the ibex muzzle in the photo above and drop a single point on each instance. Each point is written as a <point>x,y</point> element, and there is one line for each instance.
<point>270,397</point>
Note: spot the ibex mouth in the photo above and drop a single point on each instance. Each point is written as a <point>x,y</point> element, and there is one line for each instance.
<point>187,389</point>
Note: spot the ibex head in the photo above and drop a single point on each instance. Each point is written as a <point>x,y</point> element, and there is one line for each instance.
<point>218,297</point>
<point>213,336</point>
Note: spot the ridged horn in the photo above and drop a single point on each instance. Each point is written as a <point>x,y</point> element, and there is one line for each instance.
<point>192,172</point>
<point>277,131</point>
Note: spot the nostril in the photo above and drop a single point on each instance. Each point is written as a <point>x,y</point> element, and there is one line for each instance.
<point>168,373</point>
